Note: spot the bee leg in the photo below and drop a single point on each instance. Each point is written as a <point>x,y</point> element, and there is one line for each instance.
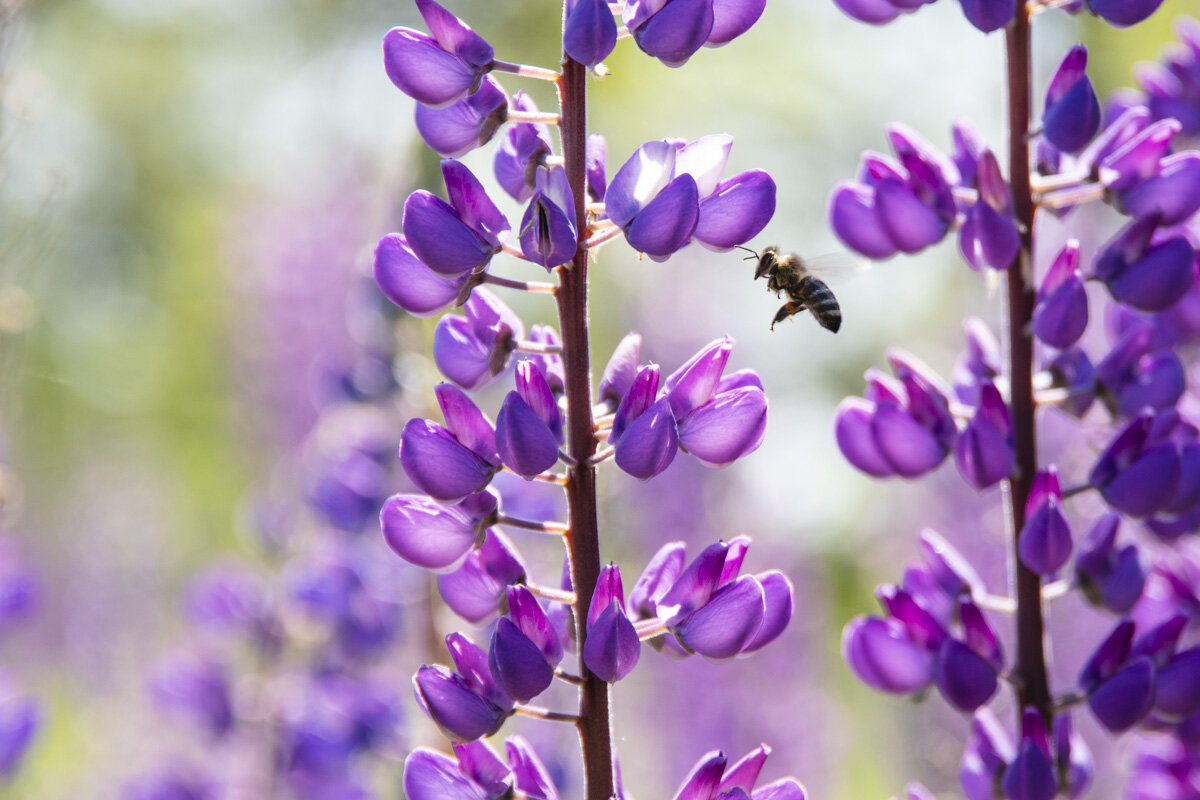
<point>786,311</point>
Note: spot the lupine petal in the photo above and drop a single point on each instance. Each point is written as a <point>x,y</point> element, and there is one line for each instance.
<point>1060,317</point>
<point>727,622</point>
<point>430,775</point>
<point>590,32</point>
<point>408,282</point>
<point>988,238</point>
<point>883,657</point>
<point>460,127</point>
<point>853,430</point>
<point>705,776</point>
<point>612,647</point>
<point>853,217</point>
<point>736,211</point>
<point>726,428</point>
<point>872,12</point>
<point>964,677</point>
<point>1070,122</point>
<point>1044,543</point>
<point>777,590</point>
<point>988,16</point>
<point>1159,279</point>
<point>474,590</point>
<point>668,221</point>
<point>622,368</point>
<point>676,31</point>
<point>423,70</point>
<point>1123,700</point>
<point>427,533</point>
<point>1146,485</point>
<point>705,160</point>
<point>696,381</point>
<point>1031,775</point>
<point>528,615</point>
<point>648,445</point>
<point>468,424</point>
<point>517,664</point>
<point>909,448</point>
<point>483,765</point>
<point>909,223</point>
<point>455,35</point>
<point>439,238</point>
<point>530,774</point>
<point>1174,191</point>
<point>732,18</point>
<point>547,235</point>
<point>459,712</point>
<point>525,443</point>
<point>639,180</point>
<point>441,467</point>
<point>1123,13</point>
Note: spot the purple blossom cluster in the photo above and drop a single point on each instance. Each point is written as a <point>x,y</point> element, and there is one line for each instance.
<point>1110,365</point>
<point>549,428</point>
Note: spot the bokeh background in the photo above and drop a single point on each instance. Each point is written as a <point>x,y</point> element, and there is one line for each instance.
<point>189,195</point>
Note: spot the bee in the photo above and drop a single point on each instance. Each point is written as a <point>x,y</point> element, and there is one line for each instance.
<point>787,274</point>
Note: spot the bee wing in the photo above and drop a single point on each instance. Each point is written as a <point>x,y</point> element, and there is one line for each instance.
<point>836,265</point>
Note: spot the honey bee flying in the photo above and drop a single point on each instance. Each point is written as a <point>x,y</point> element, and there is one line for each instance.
<point>787,274</point>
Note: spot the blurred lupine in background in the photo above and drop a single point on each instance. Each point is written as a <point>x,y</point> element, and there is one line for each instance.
<point>1070,518</point>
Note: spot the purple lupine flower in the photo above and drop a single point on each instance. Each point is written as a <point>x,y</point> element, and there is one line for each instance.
<point>589,32</point>
<point>435,536</point>
<point>884,657</point>
<point>674,30</point>
<point>1071,370</point>
<point>406,281</point>
<point>227,596</point>
<point>720,417</point>
<point>430,775</point>
<point>1139,472</point>
<point>550,363</point>
<point>611,648</point>
<point>451,462</point>
<point>1071,115</point>
<point>468,123</point>
<point>458,237</point>
<point>988,236</point>
<point>901,427</point>
<point>467,704</point>
<point>1061,314</point>
<point>987,755</point>
<point>197,687</point>
<point>900,205</point>
<point>1119,685</point>
<point>712,777</point>
<point>20,718</point>
<point>1145,270</point>
<point>967,670</point>
<point>476,589</point>
<point>1110,577</point>
<point>669,192</point>
<point>1044,543</point>
<point>1132,377</point>
<point>436,69</point>
<point>523,148</point>
<point>1177,685</point>
<point>1031,774</point>
<point>525,649</point>
<point>548,229</point>
<point>529,427</point>
<point>472,351</point>
<point>984,450</point>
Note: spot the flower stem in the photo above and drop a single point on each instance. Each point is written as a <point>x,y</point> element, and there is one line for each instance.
<point>525,70</point>
<point>1032,687</point>
<point>583,540</point>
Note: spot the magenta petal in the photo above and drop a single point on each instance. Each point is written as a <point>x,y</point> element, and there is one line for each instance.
<point>635,399</point>
<point>608,591</point>
<point>423,70</point>
<point>612,647</point>
<point>648,445</point>
<point>470,427</point>
<point>459,355</point>
<point>883,657</point>
<point>406,281</point>
<point>777,590</point>
<point>732,18</point>
<point>441,467</point>
<point>667,221</point>
<point>736,211</point>
<point>455,35</point>
<point>726,428</point>
<point>696,584</point>
<point>727,622</point>
<point>427,533</point>
<point>676,31</point>
<point>483,765</point>
<point>853,217</point>
<point>528,615</point>
<point>744,773</point>
<point>430,775</point>
<point>439,238</point>
<point>518,666</point>
<point>526,444</point>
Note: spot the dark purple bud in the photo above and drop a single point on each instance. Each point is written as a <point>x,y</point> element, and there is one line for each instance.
<point>437,69</point>
<point>648,444</point>
<point>612,647</point>
<point>535,389</point>
<point>1133,377</point>
<point>1109,577</point>
<point>459,712</point>
<point>474,591</point>
<point>1072,371</point>
<point>590,32</point>
<point>883,656</point>
<point>988,16</point>
<point>987,755</point>
<point>988,238</point>
<point>729,426</point>
<point>1121,701</point>
<point>526,444</point>
<point>471,351</point>
<point>736,210</point>
<point>1071,115</point>
<point>596,158</point>
<point>1135,476</point>
<point>1173,191</point>
<point>518,665</point>
<point>622,370</point>
<point>529,773</point>
<point>406,281</point>
<point>1177,685</point>
<point>431,535</point>
<point>471,122</point>
<point>963,677</point>
<point>672,30</point>
<point>984,450</point>
<point>523,148</point>
<point>548,233</point>
<point>1031,775</point>
<point>1044,543</point>
<point>1146,274</point>
<point>1061,313</point>
<point>1123,13</point>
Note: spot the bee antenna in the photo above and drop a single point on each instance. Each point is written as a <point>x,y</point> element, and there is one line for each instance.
<point>753,253</point>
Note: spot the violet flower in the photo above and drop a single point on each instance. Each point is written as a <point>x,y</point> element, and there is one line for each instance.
<point>1071,115</point>
<point>525,648</point>
<point>548,229</point>
<point>436,69</point>
<point>458,237</point>
<point>1061,314</point>
<point>713,778</point>
<point>450,462</point>
<point>472,351</point>
<point>611,648</point>
<point>435,536</point>
<point>523,148</point>
<point>467,704</point>
<point>476,589</point>
<point>469,123</point>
